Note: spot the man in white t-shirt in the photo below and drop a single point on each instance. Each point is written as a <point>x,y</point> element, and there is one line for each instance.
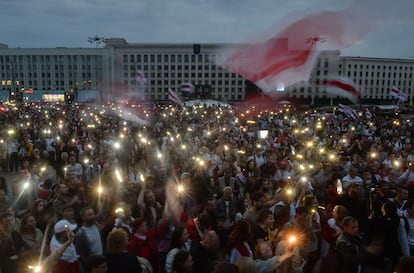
<point>352,177</point>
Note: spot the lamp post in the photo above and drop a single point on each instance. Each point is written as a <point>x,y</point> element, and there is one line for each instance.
<point>97,41</point>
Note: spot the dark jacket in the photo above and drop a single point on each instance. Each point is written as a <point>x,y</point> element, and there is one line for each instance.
<point>350,253</point>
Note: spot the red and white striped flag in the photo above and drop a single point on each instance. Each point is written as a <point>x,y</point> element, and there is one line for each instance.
<point>349,111</point>
<point>187,87</point>
<point>343,87</point>
<point>397,93</point>
<point>282,59</point>
<point>368,113</point>
<point>174,97</point>
<point>140,78</point>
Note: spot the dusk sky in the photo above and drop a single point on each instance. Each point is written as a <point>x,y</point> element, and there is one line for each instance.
<point>69,23</point>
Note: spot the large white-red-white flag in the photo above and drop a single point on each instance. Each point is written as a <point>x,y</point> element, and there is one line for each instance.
<point>187,87</point>
<point>398,94</point>
<point>342,87</point>
<point>174,97</point>
<point>288,56</point>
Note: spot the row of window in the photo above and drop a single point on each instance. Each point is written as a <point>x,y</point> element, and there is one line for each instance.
<point>45,59</point>
<point>168,58</point>
<point>384,67</point>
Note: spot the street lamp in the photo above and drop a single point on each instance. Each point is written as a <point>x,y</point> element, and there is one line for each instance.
<point>97,40</point>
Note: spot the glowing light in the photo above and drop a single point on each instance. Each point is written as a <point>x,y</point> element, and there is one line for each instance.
<point>119,210</point>
<point>339,188</point>
<point>118,175</point>
<point>289,191</point>
<point>292,239</point>
<point>35,268</point>
<point>100,190</point>
<point>117,145</point>
<point>26,185</point>
<point>180,189</point>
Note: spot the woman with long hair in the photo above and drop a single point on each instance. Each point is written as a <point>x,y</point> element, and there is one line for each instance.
<point>31,235</point>
<point>237,245</point>
<point>183,262</point>
<point>179,241</point>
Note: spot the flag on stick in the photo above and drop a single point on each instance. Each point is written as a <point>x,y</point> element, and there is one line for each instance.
<point>343,87</point>
<point>174,97</point>
<point>398,94</point>
<point>349,111</point>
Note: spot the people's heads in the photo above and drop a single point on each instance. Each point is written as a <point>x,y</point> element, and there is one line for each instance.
<point>227,193</point>
<point>204,220</point>
<point>149,197</point>
<point>139,226</point>
<point>251,164</point>
<point>246,265</point>
<point>350,226</point>
<point>68,213</point>
<point>353,171</point>
<point>302,214</point>
<point>258,200</point>
<point>88,216</point>
<point>6,221</point>
<point>339,212</point>
<point>96,264</point>
<point>27,223</point>
<point>310,201</point>
<point>63,189</point>
<point>179,236</point>
<point>117,241</point>
<point>264,251</point>
<point>72,159</point>
<point>241,231</point>
<point>352,189</point>
<point>265,217</point>
<point>183,262</point>
<point>210,241</point>
<point>39,206</point>
<point>61,228</point>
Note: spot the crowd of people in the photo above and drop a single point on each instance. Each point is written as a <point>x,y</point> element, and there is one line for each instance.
<point>121,188</point>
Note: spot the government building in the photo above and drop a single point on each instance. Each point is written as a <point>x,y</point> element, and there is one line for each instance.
<point>115,71</point>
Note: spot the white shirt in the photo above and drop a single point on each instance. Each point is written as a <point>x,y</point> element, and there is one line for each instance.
<point>69,255</point>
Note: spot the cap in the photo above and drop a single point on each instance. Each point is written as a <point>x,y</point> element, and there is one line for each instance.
<point>63,224</point>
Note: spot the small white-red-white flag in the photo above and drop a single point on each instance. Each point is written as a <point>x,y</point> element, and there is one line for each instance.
<point>368,114</point>
<point>140,78</point>
<point>174,97</point>
<point>398,94</point>
<point>343,87</point>
<point>347,110</point>
<point>187,87</point>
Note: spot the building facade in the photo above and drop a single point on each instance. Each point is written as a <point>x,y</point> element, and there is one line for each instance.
<point>34,72</point>
<point>112,72</point>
